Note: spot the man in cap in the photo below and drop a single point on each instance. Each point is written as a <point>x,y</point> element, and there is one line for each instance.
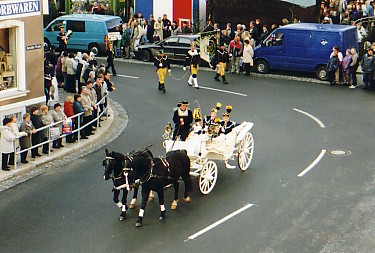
<point>223,59</point>
<point>62,38</point>
<point>227,125</point>
<point>161,63</point>
<point>182,119</point>
<point>193,59</point>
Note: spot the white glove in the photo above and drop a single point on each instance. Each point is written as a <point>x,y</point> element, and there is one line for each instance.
<point>169,71</point>
<point>184,68</point>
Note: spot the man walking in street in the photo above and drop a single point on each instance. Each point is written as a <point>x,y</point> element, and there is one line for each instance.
<point>222,58</point>
<point>193,59</point>
<point>161,63</point>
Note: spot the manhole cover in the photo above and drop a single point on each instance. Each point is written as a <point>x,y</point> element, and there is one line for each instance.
<point>339,152</point>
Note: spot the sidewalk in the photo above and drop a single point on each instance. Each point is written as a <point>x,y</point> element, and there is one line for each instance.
<point>108,131</point>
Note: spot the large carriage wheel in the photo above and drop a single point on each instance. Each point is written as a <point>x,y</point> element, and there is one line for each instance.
<point>245,151</point>
<point>208,177</point>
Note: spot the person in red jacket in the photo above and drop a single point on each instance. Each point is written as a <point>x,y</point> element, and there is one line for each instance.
<point>69,112</point>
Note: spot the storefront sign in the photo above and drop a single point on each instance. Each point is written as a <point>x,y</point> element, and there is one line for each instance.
<point>33,47</point>
<point>114,36</point>
<point>19,8</point>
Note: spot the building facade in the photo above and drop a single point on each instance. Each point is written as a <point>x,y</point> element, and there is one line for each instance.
<point>21,56</point>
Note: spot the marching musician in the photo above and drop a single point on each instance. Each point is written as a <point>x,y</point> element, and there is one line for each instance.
<point>62,38</point>
<point>223,59</point>
<point>193,59</point>
<point>182,119</point>
<point>161,63</point>
<point>227,125</point>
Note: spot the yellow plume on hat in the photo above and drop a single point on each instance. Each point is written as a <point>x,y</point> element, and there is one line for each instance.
<point>217,120</point>
<point>218,106</point>
<point>228,108</point>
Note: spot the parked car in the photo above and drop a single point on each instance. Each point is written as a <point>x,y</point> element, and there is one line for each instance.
<point>303,47</point>
<point>89,31</point>
<point>175,47</point>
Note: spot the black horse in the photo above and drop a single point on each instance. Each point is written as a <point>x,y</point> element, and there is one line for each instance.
<point>117,167</point>
<point>156,173</point>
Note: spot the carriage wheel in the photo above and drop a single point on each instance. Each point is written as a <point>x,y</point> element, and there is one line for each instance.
<point>208,177</point>
<point>245,152</point>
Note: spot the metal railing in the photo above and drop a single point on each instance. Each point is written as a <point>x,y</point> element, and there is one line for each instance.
<point>74,131</point>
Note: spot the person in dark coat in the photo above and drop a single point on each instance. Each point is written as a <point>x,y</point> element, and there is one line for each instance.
<point>368,68</point>
<point>150,29</point>
<point>36,138</point>
<point>166,26</point>
<point>110,58</point>
<point>77,108</point>
<point>332,66</point>
<point>182,119</point>
<point>25,141</point>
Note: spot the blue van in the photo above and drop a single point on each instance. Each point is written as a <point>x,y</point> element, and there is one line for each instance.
<point>303,47</point>
<point>89,31</point>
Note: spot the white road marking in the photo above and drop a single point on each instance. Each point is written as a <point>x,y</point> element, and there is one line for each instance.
<point>133,77</point>
<point>320,123</point>
<point>217,223</point>
<point>315,162</point>
<point>225,91</point>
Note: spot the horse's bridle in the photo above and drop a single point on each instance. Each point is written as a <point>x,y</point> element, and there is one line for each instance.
<point>124,171</point>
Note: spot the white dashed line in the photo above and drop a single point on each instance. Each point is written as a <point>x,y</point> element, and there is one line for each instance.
<point>320,123</point>
<point>225,91</point>
<point>217,223</point>
<point>133,77</point>
<point>315,162</point>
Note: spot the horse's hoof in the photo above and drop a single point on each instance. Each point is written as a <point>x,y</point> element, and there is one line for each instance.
<point>122,218</point>
<point>131,206</point>
<point>174,205</point>
<point>187,199</point>
<point>138,224</point>
<point>161,218</point>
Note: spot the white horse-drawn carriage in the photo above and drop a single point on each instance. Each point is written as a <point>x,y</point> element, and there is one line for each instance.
<point>202,149</point>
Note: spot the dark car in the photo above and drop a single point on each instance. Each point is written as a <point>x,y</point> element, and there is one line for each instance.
<point>175,47</point>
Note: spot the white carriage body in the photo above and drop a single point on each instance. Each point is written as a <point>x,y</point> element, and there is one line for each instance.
<point>204,147</point>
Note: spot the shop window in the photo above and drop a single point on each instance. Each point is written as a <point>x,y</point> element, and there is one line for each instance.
<point>8,64</point>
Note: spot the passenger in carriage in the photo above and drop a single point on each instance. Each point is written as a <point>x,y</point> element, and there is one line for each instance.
<point>216,128</point>
<point>198,127</point>
<point>209,119</point>
<point>227,125</point>
<point>182,119</point>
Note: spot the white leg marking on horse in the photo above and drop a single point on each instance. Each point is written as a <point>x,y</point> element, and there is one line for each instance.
<point>162,208</point>
<point>123,209</point>
<point>134,200</point>
<point>141,212</point>
<point>119,204</point>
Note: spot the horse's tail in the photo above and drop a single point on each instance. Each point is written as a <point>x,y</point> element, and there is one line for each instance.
<point>186,172</point>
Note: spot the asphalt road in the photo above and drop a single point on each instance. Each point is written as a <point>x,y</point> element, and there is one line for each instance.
<point>328,209</point>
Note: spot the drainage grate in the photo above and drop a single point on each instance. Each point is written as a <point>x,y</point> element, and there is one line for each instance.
<point>339,152</point>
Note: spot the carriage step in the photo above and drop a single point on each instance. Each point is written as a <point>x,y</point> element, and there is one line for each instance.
<point>194,174</point>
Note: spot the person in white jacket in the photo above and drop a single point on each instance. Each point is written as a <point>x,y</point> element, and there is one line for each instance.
<point>248,54</point>
<point>7,144</point>
<point>14,127</point>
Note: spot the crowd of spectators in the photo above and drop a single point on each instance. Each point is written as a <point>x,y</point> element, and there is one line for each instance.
<point>78,74</point>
